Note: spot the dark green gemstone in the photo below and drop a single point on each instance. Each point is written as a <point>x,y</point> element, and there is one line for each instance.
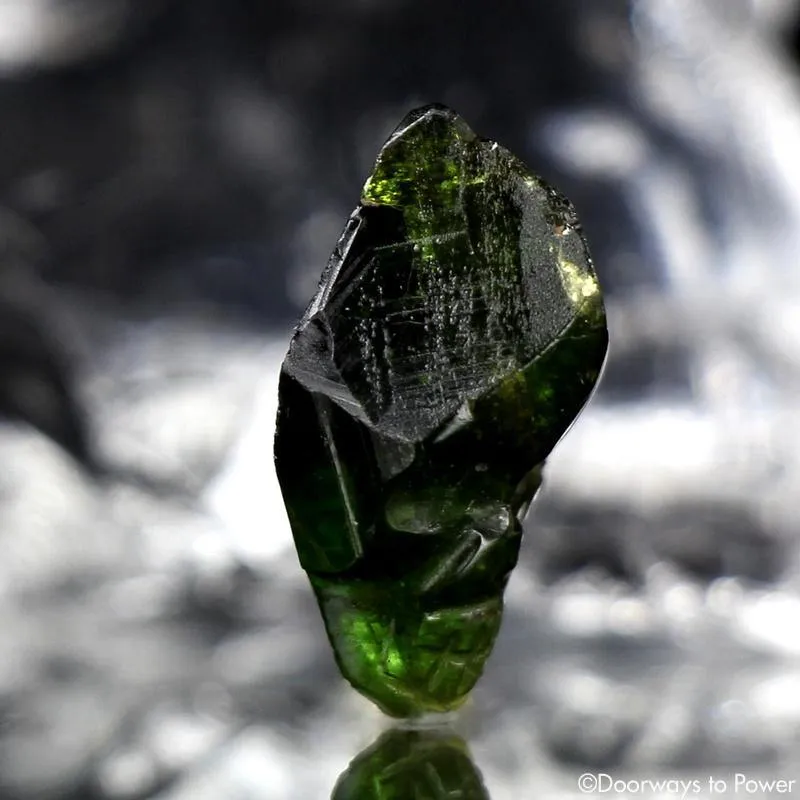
<point>457,332</point>
<point>412,764</point>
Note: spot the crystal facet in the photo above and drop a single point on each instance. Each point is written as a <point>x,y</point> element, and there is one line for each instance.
<point>457,332</point>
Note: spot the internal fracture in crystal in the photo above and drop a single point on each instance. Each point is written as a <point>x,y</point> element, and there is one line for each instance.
<point>457,332</point>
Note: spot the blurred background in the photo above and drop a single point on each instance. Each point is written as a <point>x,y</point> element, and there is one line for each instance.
<point>173,177</point>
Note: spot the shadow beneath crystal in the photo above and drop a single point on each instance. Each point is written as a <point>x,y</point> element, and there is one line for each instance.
<point>412,763</point>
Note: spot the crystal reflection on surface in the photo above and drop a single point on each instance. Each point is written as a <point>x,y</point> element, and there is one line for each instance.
<point>412,763</point>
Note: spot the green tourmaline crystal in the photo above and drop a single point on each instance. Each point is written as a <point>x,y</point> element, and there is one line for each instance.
<point>412,764</point>
<point>457,332</point>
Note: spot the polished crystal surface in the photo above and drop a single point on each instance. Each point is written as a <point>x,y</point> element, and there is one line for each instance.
<point>457,332</point>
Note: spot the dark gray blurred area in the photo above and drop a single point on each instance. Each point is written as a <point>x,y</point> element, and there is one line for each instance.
<point>173,177</point>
